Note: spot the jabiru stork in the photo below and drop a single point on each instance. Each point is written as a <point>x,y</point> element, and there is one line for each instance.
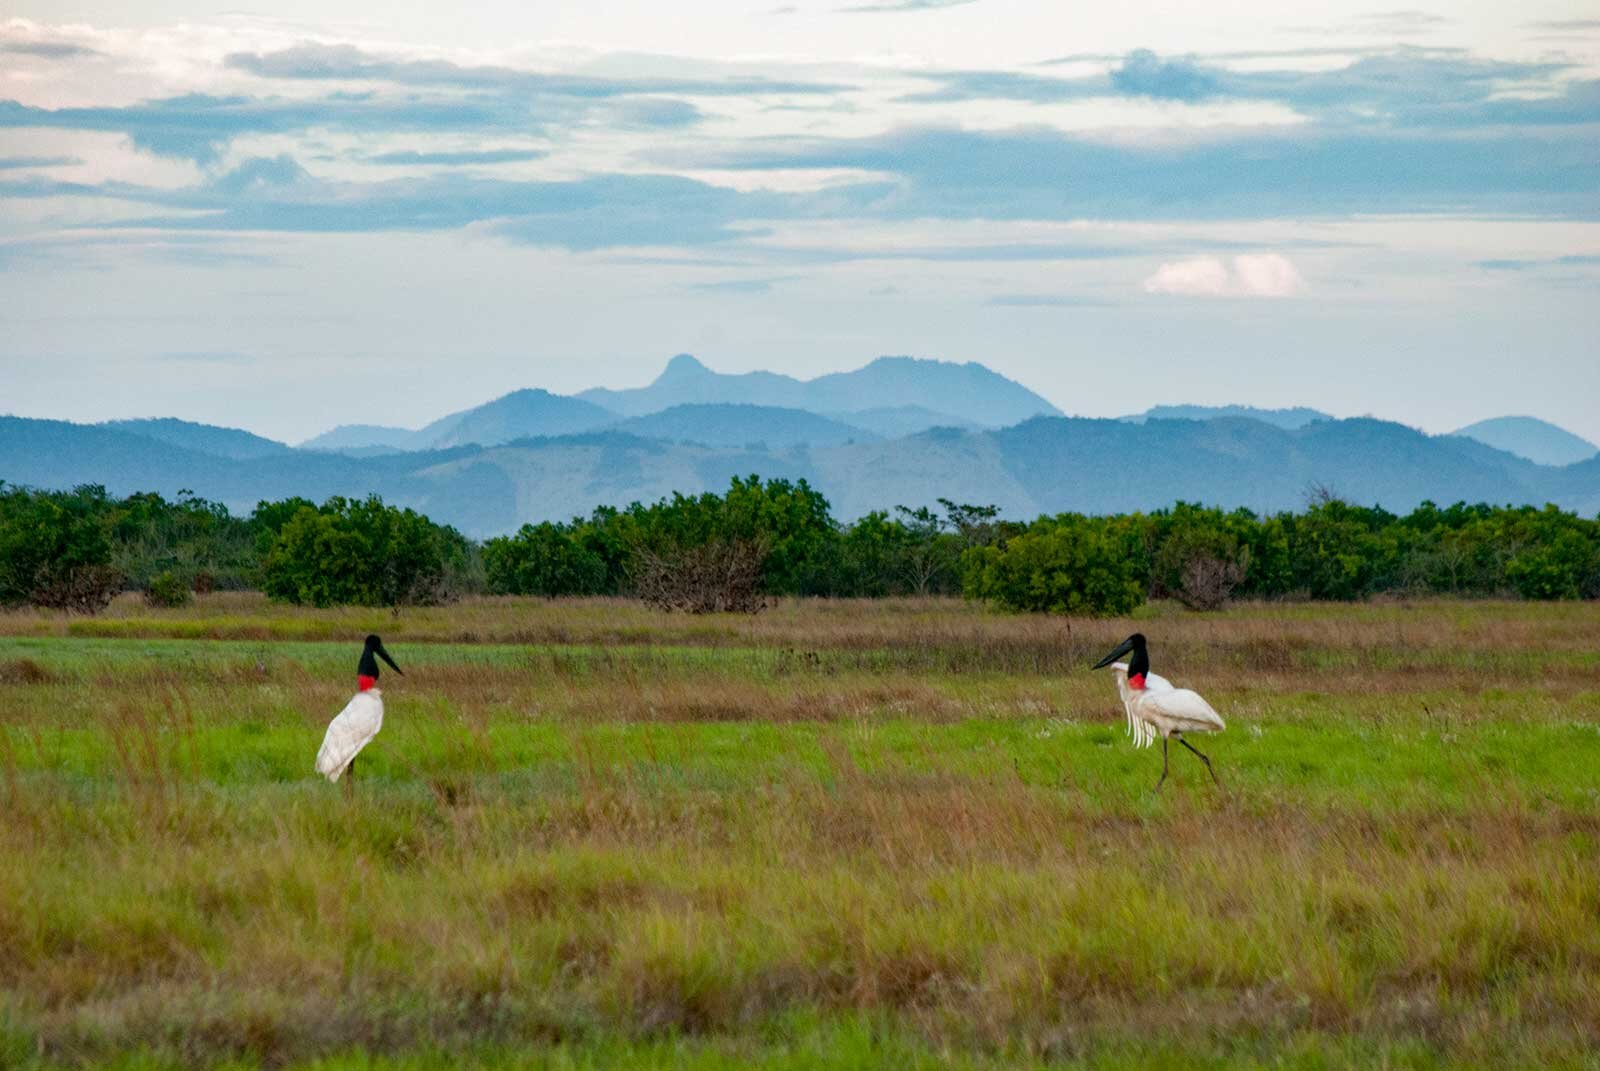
<point>1155,708</point>
<point>354,727</point>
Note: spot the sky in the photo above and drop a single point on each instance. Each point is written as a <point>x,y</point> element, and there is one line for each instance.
<point>357,212</point>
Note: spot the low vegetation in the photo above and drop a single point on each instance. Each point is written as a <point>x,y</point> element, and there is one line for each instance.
<point>363,553</point>
<point>765,539</point>
<point>901,832</point>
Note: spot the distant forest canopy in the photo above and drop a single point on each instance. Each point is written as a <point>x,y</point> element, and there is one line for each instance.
<point>75,550</point>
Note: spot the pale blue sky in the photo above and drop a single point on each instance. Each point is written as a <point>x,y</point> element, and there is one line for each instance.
<point>342,212</point>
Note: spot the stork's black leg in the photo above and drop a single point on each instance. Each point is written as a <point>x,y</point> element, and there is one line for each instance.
<point>1203,759</point>
<point>1163,765</point>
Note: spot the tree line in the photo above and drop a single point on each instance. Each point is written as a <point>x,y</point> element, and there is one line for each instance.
<point>75,550</point>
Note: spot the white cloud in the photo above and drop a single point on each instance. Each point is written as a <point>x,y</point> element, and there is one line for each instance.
<point>1203,276</point>
<point>1267,275</point>
<point>1251,275</point>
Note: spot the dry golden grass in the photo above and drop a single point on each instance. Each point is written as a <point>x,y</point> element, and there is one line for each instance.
<point>805,624</point>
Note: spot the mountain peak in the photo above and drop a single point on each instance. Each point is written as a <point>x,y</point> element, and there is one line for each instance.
<point>683,366</point>
<point>1528,437</point>
<point>527,412</point>
<point>980,395</point>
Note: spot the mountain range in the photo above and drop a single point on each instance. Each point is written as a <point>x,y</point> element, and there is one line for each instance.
<point>890,397</point>
<point>899,431</point>
<point>971,390</point>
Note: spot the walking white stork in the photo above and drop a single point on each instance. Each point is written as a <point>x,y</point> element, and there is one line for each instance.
<point>354,727</point>
<point>1155,708</point>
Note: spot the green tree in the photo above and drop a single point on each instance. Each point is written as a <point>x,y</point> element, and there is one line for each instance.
<point>871,557</point>
<point>1340,551</point>
<point>55,549</point>
<point>1064,564</point>
<point>1550,554</point>
<point>788,521</point>
<point>543,559</point>
<point>1199,555</point>
<point>186,538</point>
<point>363,553</point>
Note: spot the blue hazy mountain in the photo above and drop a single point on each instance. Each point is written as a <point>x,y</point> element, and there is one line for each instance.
<point>889,398</point>
<point>518,415</point>
<point>1529,437</point>
<point>898,421</point>
<point>971,390</point>
<point>363,437</point>
<point>1289,419</point>
<point>898,431</point>
<point>204,438</point>
<point>58,454</point>
<point>1044,465</point>
<point>741,425</point>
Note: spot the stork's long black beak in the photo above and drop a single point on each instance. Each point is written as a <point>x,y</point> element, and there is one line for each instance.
<point>381,653</point>
<point>1122,648</point>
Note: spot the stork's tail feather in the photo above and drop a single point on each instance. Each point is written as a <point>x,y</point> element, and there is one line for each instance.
<point>1143,735</point>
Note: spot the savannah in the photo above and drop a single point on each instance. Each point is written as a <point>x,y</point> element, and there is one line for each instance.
<point>905,832</point>
<point>591,536</point>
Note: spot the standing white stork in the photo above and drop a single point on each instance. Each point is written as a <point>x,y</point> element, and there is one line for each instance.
<point>355,726</point>
<point>1155,708</point>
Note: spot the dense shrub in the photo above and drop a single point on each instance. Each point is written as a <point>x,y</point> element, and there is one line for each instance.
<point>1065,564</point>
<point>55,551</point>
<point>1565,566</point>
<point>788,521</point>
<point>544,559</point>
<point>1199,556</point>
<point>873,556</point>
<point>190,535</point>
<point>77,589</point>
<point>1341,551</point>
<point>167,590</point>
<point>75,550</point>
<point>365,553</point>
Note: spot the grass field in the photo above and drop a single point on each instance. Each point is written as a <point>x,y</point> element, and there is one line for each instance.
<point>903,834</point>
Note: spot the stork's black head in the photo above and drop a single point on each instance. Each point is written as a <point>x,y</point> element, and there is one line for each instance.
<point>368,667</point>
<point>1140,663</point>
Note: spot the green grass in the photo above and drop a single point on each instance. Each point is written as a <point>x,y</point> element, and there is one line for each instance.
<point>839,835</point>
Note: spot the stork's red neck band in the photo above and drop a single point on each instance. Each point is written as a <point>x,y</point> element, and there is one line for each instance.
<point>366,682</point>
<point>1136,682</point>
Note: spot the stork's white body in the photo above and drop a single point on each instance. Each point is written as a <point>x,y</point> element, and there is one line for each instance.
<point>349,732</point>
<point>1159,709</point>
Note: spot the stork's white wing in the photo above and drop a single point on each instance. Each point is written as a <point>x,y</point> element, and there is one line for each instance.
<point>1185,710</point>
<point>350,731</point>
